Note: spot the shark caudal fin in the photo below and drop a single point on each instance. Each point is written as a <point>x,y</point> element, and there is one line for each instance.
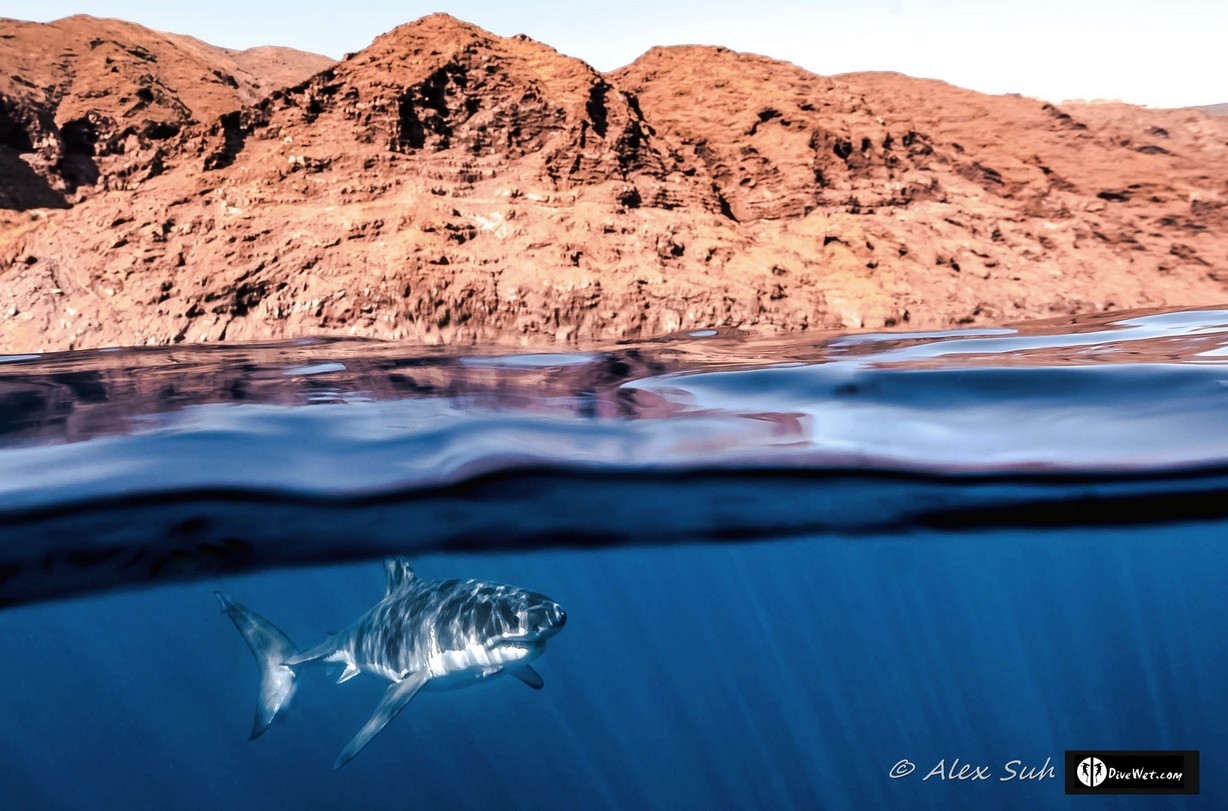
<point>271,648</point>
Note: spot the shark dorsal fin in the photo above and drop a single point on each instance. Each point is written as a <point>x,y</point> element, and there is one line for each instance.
<point>399,572</point>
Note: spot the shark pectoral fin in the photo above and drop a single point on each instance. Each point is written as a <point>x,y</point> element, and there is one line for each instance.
<point>351,670</point>
<point>529,676</point>
<point>394,700</point>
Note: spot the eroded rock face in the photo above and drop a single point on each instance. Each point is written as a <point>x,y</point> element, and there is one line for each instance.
<point>446,184</point>
<point>91,104</point>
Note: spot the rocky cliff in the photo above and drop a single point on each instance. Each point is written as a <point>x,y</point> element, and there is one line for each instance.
<point>93,104</point>
<point>446,184</point>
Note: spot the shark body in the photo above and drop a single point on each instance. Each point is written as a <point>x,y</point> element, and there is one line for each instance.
<point>424,634</point>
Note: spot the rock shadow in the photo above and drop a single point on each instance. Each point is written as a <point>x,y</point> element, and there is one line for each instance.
<point>22,188</point>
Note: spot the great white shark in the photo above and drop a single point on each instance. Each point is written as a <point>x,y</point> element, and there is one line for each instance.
<point>424,634</point>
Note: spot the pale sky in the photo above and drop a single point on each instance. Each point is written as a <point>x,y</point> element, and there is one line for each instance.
<point>1163,54</point>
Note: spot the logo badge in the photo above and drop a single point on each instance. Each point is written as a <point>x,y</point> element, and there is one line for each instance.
<point>1131,771</point>
<point>1091,771</point>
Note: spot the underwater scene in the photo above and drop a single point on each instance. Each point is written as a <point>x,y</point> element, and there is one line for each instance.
<point>895,570</point>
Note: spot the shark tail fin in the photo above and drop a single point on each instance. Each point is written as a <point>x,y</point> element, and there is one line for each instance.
<point>271,648</point>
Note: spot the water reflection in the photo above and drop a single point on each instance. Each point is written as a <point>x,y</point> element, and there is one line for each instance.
<point>77,395</point>
<point>125,466</point>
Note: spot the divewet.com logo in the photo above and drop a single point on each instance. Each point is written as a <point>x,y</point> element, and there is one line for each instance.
<point>1107,771</point>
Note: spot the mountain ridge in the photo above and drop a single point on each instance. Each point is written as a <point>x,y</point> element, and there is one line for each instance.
<point>447,184</point>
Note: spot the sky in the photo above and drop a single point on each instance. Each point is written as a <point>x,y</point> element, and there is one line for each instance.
<point>1161,54</point>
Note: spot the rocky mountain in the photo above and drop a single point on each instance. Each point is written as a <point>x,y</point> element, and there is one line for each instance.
<point>94,103</point>
<point>446,184</point>
<point>1216,109</point>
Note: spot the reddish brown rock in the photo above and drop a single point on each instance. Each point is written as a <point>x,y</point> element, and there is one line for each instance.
<point>88,103</point>
<point>446,184</point>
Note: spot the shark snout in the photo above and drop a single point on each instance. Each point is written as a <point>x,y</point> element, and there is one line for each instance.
<point>546,617</point>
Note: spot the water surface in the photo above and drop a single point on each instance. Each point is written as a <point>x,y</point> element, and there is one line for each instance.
<point>788,564</point>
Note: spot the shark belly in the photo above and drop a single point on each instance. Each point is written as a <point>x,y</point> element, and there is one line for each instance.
<point>452,669</point>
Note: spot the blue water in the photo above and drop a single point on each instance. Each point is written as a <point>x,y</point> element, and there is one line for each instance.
<point>787,565</point>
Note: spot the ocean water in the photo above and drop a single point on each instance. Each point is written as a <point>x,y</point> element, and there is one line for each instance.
<point>788,565</point>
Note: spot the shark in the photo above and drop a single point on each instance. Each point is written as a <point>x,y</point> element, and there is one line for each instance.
<point>423,635</point>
